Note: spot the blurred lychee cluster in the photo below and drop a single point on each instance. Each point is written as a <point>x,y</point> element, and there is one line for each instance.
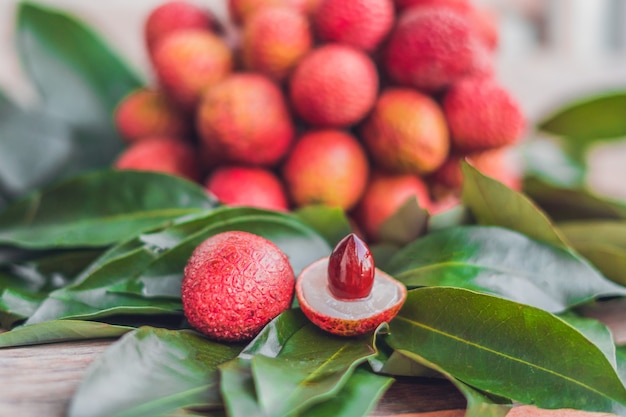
<point>359,104</point>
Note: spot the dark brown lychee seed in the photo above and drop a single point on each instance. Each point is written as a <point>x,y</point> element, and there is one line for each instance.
<point>351,269</point>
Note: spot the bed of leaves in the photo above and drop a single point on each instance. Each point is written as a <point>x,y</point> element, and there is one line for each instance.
<point>497,286</point>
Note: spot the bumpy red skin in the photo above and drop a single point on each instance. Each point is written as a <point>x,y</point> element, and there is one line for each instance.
<point>334,86</point>
<point>248,186</point>
<point>482,115</point>
<point>244,119</point>
<point>431,48</point>
<point>234,284</point>
<point>190,61</point>
<point>351,269</point>
<point>144,113</point>
<point>161,154</point>
<point>274,40</point>
<point>406,132</point>
<point>362,24</point>
<point>384,196</point>
<point>326,167</point>
<point>174,16</point>
<point>241,10</point>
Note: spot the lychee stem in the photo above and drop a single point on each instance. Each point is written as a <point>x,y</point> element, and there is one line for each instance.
<point>351,269</point>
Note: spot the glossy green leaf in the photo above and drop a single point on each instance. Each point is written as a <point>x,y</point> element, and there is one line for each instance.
<point>330,222</point>
<point>18,299</point>
<point>405,225</point>
<point>589,120</point>
<point>99,209</point>
<point>152,372</point>
<point>237,388</point>
<point>506,349</point>
<point>501,262</point>
<point>603,242</point>
<point>595,331</point>
<point>60,331</point>
<point>275,334</point>
<point>620,352</point>
<point>545,158</point>
<point>493,203</point>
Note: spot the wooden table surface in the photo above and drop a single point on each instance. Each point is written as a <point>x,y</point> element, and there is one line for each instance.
<point>38,381</point>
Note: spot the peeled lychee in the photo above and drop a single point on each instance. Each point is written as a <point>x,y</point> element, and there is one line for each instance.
<point>161,154</point>
<point>345,294</point>
<point>145,113</point>
<point>174,16</point>
<point>248,186</point>
<point>234,284</point>
<point>406,132</point>
<point>241,10</point>
<point>384,196</point>
<point>190,61</point>
<point>359,23</point>
<point>244,119</point>
<point>334,86</point>
<point>326,167</point>
<point>274,40</point>
<point>482,115</point>
<point>431,48</point>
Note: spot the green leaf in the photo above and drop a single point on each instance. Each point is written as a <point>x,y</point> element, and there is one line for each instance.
<point>275,334</point>
<point>330,222</point>
<point>506,349</point>
<point>545,158</point>
<point>406,224</point>
<point>603,242</point>
<point>589,120</point>
<point>595,331</point>
<point>501,262</point>
<point>18,299</point>
<point>493,203</point>
<point>60,331</point>
<point>152,372</point>
<point>99,208</point>
<point>620,352</point>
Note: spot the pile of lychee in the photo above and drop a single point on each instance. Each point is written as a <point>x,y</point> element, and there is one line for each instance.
<point>358,104</point>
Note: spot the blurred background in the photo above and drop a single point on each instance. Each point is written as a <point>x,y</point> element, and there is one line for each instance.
<point>551,52</point>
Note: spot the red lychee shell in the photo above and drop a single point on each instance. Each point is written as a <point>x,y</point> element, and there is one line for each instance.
<point>161,154</point>
<point>334,86</point>
<point>234,284</point>
<point>241,10</point>
<point>326,167</point>
<point>406,132</point>
<point>174,16</point>
<point>431,48</point>
<point>190,61</point>
<point>274,40</point>
<point>482,115</point>
<point>344,326</point>
<point>145,113</point>
<point>244,119</point>
<point>359,23</point>
<point>248,186</point>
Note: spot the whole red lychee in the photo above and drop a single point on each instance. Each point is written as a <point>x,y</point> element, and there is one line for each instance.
<point>234,284</point>
<point>431,48</point>
<point>247,186</point>
<point>190,61</point>
<point>161,154</point>
<point>326,167</point>
<point>244,119</point>
<point>174,16</point>
<point>241,10</point>
<point>482,115</point>
<point>359,23</point>
<point>145,113</point>
<point>406,132</point>
<point>334,86</point>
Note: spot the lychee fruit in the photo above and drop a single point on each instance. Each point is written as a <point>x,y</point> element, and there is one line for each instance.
<point>406,132</point>
<point>247,186</point>
<point>146,112</point>
<point>244,119</point>
<point>190,61</point>
<point>234,284</point>
<point>241,10</point>
<point>334,86</point>
<point>345,294</point>
<point>384,196</point>
<point>161,154</point>
<point>359,23</point>
<point>326,167</point>
<point>431,48</point>
<point>174,16</point>
<point>274,40</point>
<point>482,115</point>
